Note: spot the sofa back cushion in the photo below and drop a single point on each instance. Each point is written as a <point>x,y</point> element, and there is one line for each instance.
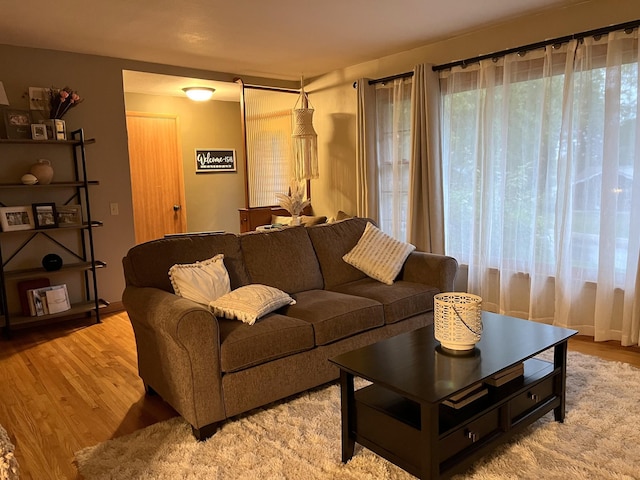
<point>284,259</point>
<point>333,240</point>
<point>148,264</point>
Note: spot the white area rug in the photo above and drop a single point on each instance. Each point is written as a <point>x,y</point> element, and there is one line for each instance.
<point>300,439</point>
<point>8,462</point>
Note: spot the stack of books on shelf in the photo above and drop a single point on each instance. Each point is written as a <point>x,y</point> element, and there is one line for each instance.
<point>506,375</point>
<point>48,300</point>
<point>466,396</point>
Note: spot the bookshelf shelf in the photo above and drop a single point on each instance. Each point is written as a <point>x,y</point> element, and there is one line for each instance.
<point>21,250</point>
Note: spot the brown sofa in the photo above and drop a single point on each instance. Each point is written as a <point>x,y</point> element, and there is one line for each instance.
<point>210,369</point>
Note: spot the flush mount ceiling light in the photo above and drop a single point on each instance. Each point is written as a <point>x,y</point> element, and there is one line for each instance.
<point>199,94</point>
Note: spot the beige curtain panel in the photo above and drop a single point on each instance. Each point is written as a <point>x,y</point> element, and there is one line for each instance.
<point>366,168</point>
<point>426,214</point>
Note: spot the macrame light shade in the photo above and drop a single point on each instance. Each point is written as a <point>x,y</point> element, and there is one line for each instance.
<point>305,140</point>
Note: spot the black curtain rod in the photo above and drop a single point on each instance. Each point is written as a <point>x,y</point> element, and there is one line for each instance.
<point>392,77</point>
<point>531,46</point>
<point>535,46</point>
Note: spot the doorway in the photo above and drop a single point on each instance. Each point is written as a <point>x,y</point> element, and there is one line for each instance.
<point>213,199</point>
<point>157,184</point>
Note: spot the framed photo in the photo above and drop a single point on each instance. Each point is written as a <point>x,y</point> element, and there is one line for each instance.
<point>16,123</point>
<point>211,160</point>
<point>69,215</point>
<point>38,98</point>
<point>38,131</point>
<point>16,218</point>
<point>44,215</point>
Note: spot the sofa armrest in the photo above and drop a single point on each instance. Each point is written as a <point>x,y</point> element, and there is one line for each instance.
<point>178,343</point>
<point>431,269</point>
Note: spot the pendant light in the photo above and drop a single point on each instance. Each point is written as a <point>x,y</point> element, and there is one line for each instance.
<point>305,139</point>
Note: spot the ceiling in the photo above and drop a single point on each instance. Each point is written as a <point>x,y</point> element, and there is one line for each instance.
<point>170,85</point>
<point>280,39</point>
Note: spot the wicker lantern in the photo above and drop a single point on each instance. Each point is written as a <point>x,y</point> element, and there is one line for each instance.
<point>457,320</point>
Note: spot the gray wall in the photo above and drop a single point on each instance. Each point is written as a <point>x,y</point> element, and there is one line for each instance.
<point>102,116</point>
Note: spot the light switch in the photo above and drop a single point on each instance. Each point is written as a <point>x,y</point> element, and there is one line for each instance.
<point>114,209</point>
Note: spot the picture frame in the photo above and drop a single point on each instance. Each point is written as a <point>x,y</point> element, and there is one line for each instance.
<point>56,129</point>
<point>16,124</point>
<point>38,131</point>
<point>215,160</point>
<point>38,98</point>
<point>16,218</point>
<point>69,215</point>
<point>44,215</point>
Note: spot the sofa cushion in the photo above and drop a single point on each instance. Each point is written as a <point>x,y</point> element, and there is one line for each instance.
<point>379,255</point>
<point>400,300</point>
<point>333,240</point>
<point>284,259</point>
<point>273,336</point>
<point>201,282</point>
<point>249,303</point>
<point>335,316</point>
<point>148,264</point>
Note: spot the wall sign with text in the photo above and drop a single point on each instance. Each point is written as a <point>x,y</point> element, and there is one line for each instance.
<point>209,160</point>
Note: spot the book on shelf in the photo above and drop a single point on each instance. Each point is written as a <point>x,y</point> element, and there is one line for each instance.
<point>24,287</point>
<point>48,300</point>
<point>466,396</point>
<point>506,375</point>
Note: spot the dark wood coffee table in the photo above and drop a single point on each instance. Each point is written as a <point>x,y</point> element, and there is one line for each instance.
<point>401,415</point>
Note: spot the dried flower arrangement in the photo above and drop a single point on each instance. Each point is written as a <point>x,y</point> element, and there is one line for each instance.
<point>61,100</point>
<point>294,203</point>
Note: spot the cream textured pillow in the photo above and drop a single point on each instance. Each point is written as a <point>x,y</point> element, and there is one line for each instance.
<point>379,255</point>
<point>201,282</point>
<point>309,221</point>
<point>250,302</point>
<point>306,220</point>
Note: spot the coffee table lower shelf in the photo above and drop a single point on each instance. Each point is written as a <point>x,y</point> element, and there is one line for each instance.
<point>392,426</point>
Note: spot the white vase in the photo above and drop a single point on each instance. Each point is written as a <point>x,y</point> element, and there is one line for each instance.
<point>295,220</point>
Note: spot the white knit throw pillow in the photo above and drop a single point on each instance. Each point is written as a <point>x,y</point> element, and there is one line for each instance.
<point>378,255</point>
<point>201,282</point>
<point>251,302</point>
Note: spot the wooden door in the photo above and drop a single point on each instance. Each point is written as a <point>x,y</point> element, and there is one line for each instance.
<point>157,182</point>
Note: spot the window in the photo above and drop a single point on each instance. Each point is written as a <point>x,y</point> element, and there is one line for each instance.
<point>393,121</point>
<point>541,167</point>
<point>502,173</point>
<point>269,148</point>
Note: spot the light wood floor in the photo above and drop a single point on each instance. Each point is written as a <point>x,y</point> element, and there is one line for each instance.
<point>71,386</point>
<point>67,387</point>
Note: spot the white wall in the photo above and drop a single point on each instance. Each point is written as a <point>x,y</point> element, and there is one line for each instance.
<point>334,97</point>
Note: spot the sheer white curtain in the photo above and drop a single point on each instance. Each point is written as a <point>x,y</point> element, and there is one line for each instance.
<point>541,168</point>
<point>393,120</point>
<point>383,152</point>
